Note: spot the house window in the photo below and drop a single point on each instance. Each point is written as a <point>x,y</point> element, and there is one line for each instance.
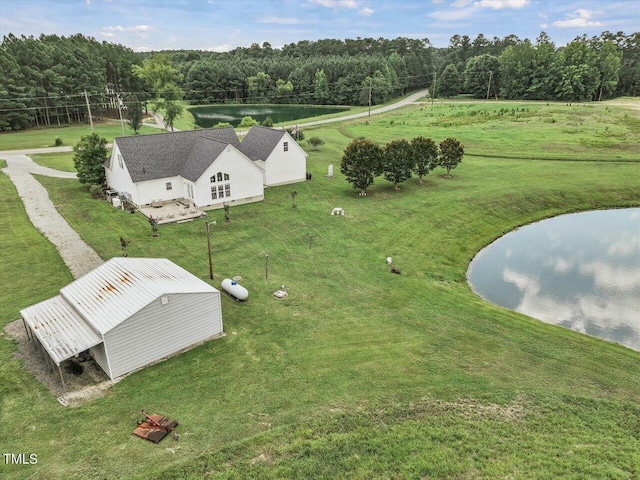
<point>221,190</point>
<point>286,146</point>
<point>190,188</point>
<point>120,161</point>
<point>169,186</point>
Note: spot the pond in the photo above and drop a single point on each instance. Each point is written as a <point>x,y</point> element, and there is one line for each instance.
<point>580,271</point>
<point>209,115</point>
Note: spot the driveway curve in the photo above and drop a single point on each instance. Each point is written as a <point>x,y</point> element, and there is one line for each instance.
<point>76,254</point>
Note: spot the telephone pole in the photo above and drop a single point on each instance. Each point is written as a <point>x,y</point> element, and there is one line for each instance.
<point>433,88</point>
<point>120,104</point>
<point>370,88</point>
<point>489,86</point>
<point>88,109</point>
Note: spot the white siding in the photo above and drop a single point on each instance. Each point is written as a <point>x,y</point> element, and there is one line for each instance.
<point>245,179</point>
<point>119,178</point>
<point>100,356</point>
<point>153,190</point>
<point>158,331</point>
<point>286,167</point>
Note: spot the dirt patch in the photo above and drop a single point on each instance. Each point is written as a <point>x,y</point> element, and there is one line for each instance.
<point>81,387</point>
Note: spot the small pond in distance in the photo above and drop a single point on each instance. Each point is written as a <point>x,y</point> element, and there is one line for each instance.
<point>580,271</point>
<point>208,116</point>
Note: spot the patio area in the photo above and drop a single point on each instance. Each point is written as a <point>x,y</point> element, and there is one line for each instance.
<point>174,211</point>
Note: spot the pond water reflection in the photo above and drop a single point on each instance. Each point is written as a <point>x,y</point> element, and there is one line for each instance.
<point>580,271</point>
<point>210,115</point>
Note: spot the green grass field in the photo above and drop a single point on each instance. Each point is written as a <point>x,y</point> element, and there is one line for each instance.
<point>70,135</point>
<point>358,373</point>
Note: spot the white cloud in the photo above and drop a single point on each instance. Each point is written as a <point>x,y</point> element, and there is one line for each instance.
<point>350,4</point>
<point>111,30</point>
<point>461,3</point>
<point>499,4</point>
<point>365,11</point>
<point>579,19</point>
<point>225,47</point>
<point>280,20</point>
<point>610,277</point>
<point>446,15</point>
<point>144,49</point>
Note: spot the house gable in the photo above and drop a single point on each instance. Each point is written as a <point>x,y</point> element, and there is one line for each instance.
<point>231,178</point>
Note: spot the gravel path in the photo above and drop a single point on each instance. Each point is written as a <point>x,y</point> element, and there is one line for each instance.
<point>76,254</point>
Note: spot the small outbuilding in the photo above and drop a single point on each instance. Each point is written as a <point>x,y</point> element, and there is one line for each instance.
<point>129,313</point>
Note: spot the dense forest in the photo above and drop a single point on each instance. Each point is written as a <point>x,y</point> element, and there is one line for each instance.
<point>52,80</point>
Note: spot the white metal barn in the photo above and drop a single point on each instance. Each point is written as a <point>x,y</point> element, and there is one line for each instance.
<point>129,312</point>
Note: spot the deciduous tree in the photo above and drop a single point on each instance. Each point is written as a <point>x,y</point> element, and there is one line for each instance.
<point>134,115</point>
<point>425,156</point>
<point>449,82</point>
<point>361,164</point>
<point>398,161</point>
<point>89,155</point>
<point>450,155</point>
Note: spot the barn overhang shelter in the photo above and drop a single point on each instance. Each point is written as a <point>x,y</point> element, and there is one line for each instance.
<point>110,309</point>
<point>59,330</point>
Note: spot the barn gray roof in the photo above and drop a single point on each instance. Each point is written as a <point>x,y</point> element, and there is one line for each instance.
<point>186,153</point>
<point>260,141</point>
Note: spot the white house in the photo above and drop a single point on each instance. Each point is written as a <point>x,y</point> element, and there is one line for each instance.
<point>204,167</point>
<point>128,312</point>
<point>276,152</point>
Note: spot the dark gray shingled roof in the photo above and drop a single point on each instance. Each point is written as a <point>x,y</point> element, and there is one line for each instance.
<point>186,153</point>
<point>260,141</point>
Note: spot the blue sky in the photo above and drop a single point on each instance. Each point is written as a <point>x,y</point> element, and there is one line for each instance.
<point>221,25</point>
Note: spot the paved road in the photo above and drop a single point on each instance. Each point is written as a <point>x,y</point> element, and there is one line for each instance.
<point>376,111</point>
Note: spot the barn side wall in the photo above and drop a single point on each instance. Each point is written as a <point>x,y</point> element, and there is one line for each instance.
<point>160,330</point>
<point>100,356</point>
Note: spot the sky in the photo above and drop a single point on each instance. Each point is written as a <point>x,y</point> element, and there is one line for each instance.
<point>222,25</point>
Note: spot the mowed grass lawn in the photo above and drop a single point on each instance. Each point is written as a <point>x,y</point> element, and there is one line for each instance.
<point>358,373</point>
<point>69,134</point>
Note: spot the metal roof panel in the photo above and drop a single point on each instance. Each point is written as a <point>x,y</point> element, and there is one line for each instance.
<point>61,331</point>
<point>120,287</point>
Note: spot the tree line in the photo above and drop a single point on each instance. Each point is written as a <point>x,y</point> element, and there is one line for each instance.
<point>43,80</point>
<point>363,160</point>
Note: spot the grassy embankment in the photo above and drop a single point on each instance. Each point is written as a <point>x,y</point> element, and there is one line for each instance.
<point>358,372</point>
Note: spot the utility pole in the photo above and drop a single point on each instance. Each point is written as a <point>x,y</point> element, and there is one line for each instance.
<point>433,88</point>
<point>489,86</point>
<point>370,88</point>
<point>120,112</point>
<point>89,110</point>
<point>209,249</point>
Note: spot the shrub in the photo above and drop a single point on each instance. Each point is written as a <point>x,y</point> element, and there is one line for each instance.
<point>57,142</point>
<point>315,142</point>
<point>268,122</point>
<point>247,121</point>
<point>222,124</point>
<point>96,191</point>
